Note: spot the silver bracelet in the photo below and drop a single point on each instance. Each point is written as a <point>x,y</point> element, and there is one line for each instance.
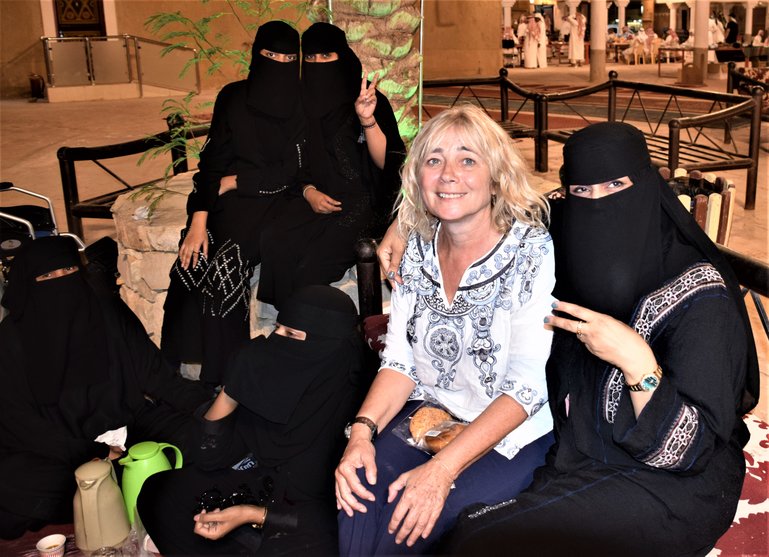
<point>307,187</point>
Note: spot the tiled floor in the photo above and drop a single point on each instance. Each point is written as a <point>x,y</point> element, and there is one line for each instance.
<point>31,133</point>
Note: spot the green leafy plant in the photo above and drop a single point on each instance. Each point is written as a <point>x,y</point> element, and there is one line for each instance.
<point>214,51</point>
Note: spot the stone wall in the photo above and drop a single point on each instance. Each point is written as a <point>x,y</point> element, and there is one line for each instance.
<point>21,53</point>
<point>461,38</point>
<point>147,247</point>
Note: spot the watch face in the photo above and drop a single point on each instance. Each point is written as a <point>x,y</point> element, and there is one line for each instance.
<point>650,382</point>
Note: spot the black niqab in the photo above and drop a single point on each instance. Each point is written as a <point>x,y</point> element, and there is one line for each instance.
<point>273,87</point>
<point>614,250</point>
<point>61,328</point>
<point>329,90</point>
<point>289,385</point>
<point>328,85</point>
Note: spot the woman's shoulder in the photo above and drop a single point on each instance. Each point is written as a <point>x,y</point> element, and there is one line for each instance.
<point>700,287</point>
<point>529,234</point>
<point>232,90</point>
<point>417,248</point>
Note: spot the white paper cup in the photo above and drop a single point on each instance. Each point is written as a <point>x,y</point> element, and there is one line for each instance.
<point>52,546</point>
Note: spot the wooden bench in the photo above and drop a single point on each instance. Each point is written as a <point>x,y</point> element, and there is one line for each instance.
<point>741,81</point>
<point>98,207</point>
<point>675,139</point>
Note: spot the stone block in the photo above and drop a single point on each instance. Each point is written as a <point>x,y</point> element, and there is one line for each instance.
<point>146,271</point>
<point>149,313</point>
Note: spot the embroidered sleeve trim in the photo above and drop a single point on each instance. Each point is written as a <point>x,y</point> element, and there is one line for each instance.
<point>653,310</point>
<point>677,441</point>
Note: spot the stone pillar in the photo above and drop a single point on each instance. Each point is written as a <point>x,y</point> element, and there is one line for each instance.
<point>557,16</point>
<point>747,34</point>
<point>621,5</point>
<point>573,5</point>
<point>702,9</point>
<point>648,15</point>
<point>691,4</point>
<point>599,15</point>
<point>672,6</point>
<point>507,13</point>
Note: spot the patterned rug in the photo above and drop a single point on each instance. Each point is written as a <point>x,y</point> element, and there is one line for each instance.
<point>748,534</point>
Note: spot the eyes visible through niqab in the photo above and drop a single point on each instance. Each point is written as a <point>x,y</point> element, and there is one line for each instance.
<point>596,191</point>
<point>56,273</point>
<point>289,332</point>
<point>321,57</point>
<point>278,56</point>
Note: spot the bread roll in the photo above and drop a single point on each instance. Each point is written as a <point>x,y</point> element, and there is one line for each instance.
<point>436,442</point>
<point>424,420</point>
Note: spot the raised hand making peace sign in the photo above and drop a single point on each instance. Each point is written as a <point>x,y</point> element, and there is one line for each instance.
<point>365,104</point>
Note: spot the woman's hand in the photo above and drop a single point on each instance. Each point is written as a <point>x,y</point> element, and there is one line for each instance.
<point>228,183</point>
<point>320,202</point>
<point>359,453</point>
<point>218,523</point>
<point>611,340</point>
<point>390,253</point>
<point>425,489</point>
<point>196,241</point>
<point>365,104</point>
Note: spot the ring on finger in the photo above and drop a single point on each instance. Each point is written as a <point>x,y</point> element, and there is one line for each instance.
<point>580,334</point>
<point>391,275</point>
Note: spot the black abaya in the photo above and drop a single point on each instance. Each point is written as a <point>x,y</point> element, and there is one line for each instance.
<point>305,247</point>
<point>257,134</point>
<point>283,441</point>
<point>107,374</point>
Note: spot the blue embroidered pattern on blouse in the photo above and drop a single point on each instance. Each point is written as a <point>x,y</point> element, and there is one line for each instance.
<point>489,285</point>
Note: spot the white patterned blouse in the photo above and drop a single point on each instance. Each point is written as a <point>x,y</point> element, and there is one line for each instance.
<point>490,341</point>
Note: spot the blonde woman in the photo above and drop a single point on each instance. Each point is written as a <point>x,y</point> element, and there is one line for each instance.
<point>466,330</point>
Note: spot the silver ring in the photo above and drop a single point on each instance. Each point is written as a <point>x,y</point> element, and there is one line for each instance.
<point>579,329</point>
<point>391,275</point>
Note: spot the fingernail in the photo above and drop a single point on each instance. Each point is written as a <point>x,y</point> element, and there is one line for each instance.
<point>554,305</point>
<point>547,320</point>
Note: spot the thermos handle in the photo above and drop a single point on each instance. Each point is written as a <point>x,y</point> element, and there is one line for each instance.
<point>178,460</point>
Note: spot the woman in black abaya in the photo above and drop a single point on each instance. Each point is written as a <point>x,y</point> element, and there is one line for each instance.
<point>652,367</point>
<point>272,437</point>
<point>353,158</point>
<point>75,363</point>
<point>248,169</point>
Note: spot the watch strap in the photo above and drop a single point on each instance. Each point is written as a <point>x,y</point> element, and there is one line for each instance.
<point>367,422</point>
<point>648,382</point>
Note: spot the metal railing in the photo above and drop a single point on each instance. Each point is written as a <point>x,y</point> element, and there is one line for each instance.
<point>82,61</point>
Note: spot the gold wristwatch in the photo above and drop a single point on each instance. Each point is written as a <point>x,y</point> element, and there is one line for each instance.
<point>648,382</point>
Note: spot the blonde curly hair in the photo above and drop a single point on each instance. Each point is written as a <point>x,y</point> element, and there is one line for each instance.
<point>515,198</point>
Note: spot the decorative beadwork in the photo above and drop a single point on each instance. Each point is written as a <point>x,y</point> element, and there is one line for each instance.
<point>485,510</point>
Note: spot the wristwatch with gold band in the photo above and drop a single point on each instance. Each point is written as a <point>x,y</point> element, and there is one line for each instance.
<point>648,382</point>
